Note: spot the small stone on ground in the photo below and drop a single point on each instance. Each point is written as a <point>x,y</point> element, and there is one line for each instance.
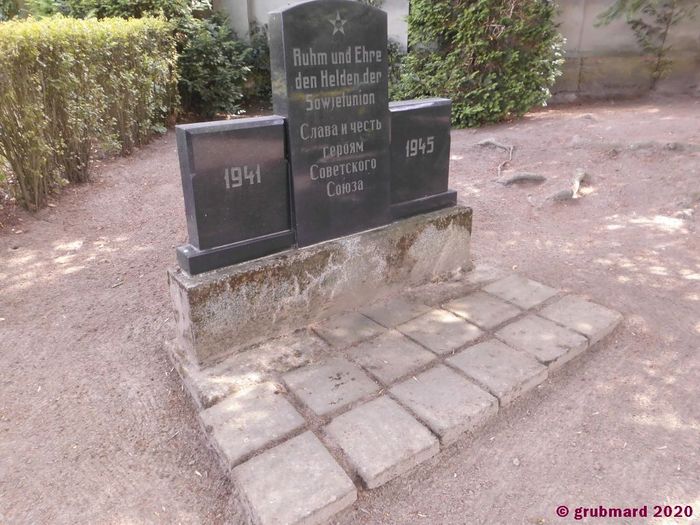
<point>507,373</point>
<point>449,404</point>
<point>390,356</point>
<point>483,309</point>
<point>382,441</point>
<point>441,331</point>
<point>521,291</point>
<point>329,386</point>
<point>297,482</point>
<point>348,329</point>
<point>590,319</point>
<point>246,422</point>
<point>550,343</point>
<point>395,312</point>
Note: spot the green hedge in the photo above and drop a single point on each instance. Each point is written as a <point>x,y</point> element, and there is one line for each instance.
<point>70,86</point>
<point>493,58</point>
<point>213,66</point>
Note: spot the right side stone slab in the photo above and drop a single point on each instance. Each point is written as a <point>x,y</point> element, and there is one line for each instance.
<point>590,319</point>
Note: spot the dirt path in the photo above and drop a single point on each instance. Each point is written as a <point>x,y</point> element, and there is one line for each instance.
<point>94,427</point>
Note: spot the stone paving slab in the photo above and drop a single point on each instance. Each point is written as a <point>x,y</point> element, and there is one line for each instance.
<point>449,404</point>
<point>483,310</point>
<point>390,356</point>
<point>395,312</point>
<point>348,329</point>
<point>550,343</point>
<point>330,385</point>
<point>247,421</point>
<point>441,331</point>
<point>257,365</point>
<point>521,291</point>
<point>295,483</point>
<point>381,440</point>
<point>507,373</point>
<point>590,319</point>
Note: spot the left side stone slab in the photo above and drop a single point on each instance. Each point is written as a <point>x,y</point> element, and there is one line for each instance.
<point>248,421</point>
<point>236,188</point>
<point>295,483</point>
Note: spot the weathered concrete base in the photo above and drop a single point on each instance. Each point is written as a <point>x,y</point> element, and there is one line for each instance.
<point>221,312</point>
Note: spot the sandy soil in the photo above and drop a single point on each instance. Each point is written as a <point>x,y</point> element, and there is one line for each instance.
<point>95,428</point>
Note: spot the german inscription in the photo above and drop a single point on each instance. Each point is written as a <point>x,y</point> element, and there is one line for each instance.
<point>329,63</point>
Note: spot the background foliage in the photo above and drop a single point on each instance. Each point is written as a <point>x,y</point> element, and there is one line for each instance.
<point>213,64</point>
<point>8,9</point>
<point>68,86</point>
<point>493,58</point>
<point>259,84</point>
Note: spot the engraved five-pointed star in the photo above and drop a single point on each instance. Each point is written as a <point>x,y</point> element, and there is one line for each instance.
<point>338,23</point>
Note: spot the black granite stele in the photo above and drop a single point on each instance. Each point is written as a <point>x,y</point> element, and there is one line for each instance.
<point>330,81</point>
<point>338,160</point>
<point>420,156</point>
<point>236,186</point>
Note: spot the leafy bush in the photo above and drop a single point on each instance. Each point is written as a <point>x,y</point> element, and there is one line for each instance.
<point>213,67</point>
<point>258,87</point>
<point>395,58</point>
<point>493,58</point>
<point>68,86</point>
<point>8,9</point>
<point>213,64</point>
<point>115,8</point>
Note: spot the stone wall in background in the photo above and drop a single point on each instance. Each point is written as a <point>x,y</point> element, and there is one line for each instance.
<point>606,61</point>
<point>600,61</point>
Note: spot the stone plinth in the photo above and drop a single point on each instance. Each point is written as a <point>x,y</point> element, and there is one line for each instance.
<point>224,311</point>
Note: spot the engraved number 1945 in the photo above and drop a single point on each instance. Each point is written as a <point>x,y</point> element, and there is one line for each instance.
<point>420,146</point>
<point>237,175</point>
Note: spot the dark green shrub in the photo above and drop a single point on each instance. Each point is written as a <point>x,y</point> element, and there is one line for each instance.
<point>213,64</point>
<point>8,9</point>
<point>493,58</point>
<point>396,56</point>
<point>68,86</point>
<point>258,89</point>
<point>213,67</point>
<point>116,8</point>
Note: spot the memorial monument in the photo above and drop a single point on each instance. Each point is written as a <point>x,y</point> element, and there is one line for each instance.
<point>325,329</point>
<point>327,183</point>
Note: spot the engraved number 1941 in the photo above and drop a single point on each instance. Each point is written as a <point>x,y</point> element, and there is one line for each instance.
<point>420,146</point>
<point>237,175</point>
